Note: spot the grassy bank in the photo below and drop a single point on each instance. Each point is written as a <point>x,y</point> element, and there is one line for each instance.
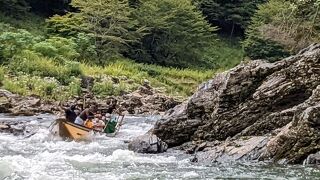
<point>36,63</point>
<point>55,81</point>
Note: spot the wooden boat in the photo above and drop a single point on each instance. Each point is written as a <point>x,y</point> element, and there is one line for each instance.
<point>69,130</point>
<point>72,131</point>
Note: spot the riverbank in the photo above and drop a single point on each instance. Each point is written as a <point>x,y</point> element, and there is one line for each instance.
<point>143,101</point>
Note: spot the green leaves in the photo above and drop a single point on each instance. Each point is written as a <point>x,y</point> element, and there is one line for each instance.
<point>57,47</point>
<point>110,23</point>
<point>176,33</point>
<point>229,14</point>
<point>282,27</point>
<point>12,43</point>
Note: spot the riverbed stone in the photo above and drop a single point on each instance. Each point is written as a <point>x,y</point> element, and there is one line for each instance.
<point>147,143</point>
<point>255,99</point>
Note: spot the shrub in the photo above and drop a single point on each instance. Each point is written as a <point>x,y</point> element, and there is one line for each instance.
<point>74,87</point>
<point>47,88</point>
<point>4,27</point>
<point>32,63</point>
<point>15,86</point>
<point>103,88</point>
<point>12,43</point>
<point>73,68</point>
<point>57,47</point>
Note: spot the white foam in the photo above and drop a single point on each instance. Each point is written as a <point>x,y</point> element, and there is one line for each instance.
<point>42,157</point>
<point>129,156</point>
<point>6,169</point>
<point>191,174</point>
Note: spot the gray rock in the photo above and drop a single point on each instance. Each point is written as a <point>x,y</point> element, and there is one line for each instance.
<point>312,159</point>
<point>147,143</point>
<point>254,99</point>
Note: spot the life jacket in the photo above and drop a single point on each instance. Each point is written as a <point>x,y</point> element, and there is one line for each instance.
<point>88,124</point>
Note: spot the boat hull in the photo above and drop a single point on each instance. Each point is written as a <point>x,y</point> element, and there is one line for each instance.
<point>73,131</point>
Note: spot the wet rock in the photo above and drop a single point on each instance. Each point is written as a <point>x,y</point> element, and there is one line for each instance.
<point>147,143</point>
<point>312,159</point>
<point>15,128</point>
<point>255,99</point>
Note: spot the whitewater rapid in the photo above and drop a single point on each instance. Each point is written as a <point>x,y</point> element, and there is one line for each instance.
<point>47,157</point>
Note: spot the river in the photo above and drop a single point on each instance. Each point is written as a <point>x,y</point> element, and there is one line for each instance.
<point>43,156</point>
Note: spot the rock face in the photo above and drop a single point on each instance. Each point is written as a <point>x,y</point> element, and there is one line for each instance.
<point>277,101</point>
<point>147,143</point>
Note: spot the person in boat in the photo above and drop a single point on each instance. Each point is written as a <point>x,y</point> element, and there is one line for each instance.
<point>70,113</point>
<point>84,115</point>
<point>99,124</point>
<point>89,122</point>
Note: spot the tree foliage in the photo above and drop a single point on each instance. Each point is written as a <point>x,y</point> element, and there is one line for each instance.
<point>110,24</point>
<point>281,27</point>
<point>177,34</point>
<point>232,16</point>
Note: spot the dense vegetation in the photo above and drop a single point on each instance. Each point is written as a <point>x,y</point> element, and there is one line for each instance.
<point>47,46</point>
<point>231,16</point>
<point>282,27</point>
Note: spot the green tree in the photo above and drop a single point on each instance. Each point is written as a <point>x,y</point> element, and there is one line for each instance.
<point>68,25</point>
<point>231,16</point>
<point>177,34</point>
<point>110,24</point>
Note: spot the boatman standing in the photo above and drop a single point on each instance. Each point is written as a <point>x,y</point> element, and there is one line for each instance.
<point>85,114</point>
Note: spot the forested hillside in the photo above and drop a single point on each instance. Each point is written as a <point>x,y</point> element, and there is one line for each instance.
<point>174,44</point>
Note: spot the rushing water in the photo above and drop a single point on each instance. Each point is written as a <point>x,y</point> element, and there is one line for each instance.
<point>43,156</point>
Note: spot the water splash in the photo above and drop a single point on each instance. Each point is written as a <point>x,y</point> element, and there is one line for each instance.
<point>43,156</point>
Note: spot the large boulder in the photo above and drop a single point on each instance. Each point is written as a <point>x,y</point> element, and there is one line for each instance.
<point>147,143</point>
<point>313,159</point>
<point>254,99</point>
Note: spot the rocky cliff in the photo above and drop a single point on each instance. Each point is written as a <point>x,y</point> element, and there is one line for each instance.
<point>255,111</point>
